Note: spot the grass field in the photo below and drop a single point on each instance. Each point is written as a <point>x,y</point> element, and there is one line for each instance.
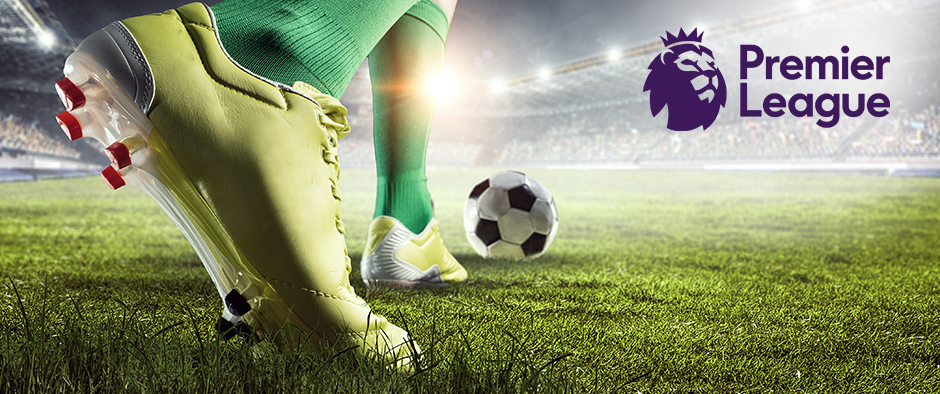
<point>657,282</point>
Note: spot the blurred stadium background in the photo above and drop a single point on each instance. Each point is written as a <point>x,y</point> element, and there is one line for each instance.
<point>583,110</point>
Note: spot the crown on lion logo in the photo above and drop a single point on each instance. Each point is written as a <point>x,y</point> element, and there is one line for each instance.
<point>692,38</point>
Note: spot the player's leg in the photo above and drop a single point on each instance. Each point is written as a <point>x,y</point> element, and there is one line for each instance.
<point>319,42</point>
<point>404,245</point>
<point>245,167</point>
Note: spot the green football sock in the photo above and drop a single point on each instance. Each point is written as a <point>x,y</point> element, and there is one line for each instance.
<point>411,51</point>
<point>319,42</point>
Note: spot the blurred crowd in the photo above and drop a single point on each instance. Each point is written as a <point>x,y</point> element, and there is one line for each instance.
<point>580,140</point>
<point>617,135</point>
<point>614,134</point>
<point>780,138</point>
<point>17,138</point>
<point>599,135</point>
<point>360,153</point>
<point>907,134</point>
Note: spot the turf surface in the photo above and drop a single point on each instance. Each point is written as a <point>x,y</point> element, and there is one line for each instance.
<point>657,282</point>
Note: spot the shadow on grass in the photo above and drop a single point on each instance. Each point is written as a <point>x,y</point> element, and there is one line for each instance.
<point>51,344</point>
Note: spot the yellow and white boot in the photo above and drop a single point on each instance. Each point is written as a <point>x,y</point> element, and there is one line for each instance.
<point>235,160</point>
<point>396,256</point>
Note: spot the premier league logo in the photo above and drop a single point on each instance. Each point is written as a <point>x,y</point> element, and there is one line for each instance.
<point>684,77</point>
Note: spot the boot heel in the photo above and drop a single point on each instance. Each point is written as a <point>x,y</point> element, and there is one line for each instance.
<point>99,108</point>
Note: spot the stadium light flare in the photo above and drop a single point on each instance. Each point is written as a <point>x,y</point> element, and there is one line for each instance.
<point>46,39</point>
<point>441,86</point>
<point>498,86</point>
<point>613,54</point>
<point>545,73</point>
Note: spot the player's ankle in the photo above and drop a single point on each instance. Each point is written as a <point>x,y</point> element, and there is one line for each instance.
<point>405,197</point>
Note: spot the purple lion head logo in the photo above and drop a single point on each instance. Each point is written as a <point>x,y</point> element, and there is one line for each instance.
<point>685,77</point>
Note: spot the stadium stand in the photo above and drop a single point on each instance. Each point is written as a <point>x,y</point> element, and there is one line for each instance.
<point>26,153</point>
<point>615,135</point>
<point>17,138</point>
<point>579,140</point>
<point>10,175</point>
<point>33,47</point>
<point>588,112</point>
<point>904,135</point>
<point>593,111</point>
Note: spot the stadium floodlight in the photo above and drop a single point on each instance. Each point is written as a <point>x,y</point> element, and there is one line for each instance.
<point>46,39</point>
<point>545,73</point>
<point>613,54</point>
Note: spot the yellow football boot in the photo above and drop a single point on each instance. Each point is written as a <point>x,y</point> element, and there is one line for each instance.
<point>396,256</point>
<point>235,160</point>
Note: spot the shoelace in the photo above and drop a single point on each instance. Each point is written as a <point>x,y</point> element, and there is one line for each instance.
<point>336,126</point>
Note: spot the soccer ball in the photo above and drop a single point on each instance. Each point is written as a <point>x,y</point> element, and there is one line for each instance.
<point>510,215</point>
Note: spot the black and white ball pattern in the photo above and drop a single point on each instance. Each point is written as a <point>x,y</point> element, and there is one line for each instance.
<point>510,215</point>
